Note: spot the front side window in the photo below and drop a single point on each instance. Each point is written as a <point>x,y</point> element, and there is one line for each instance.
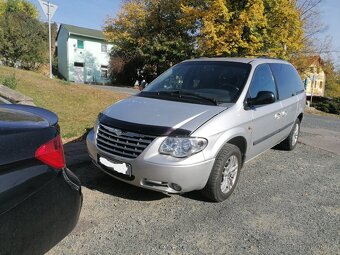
<point>80,44</point>
<point>263,80</point>
<point>199,81</point>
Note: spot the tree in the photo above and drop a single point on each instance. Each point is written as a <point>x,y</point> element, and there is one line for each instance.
<point>332,79</point>
<point>245,27</point>
<point>312,25</point>
<point>2,7</point>
<point>159,33</point>
<point>18,6</point>
<point>22,41</point>
<point>147,33</point>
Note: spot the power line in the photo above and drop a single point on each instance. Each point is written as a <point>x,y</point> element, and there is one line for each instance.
<point>316,52</point>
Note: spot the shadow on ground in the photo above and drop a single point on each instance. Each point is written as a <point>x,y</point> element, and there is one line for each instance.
<point>92,178</point>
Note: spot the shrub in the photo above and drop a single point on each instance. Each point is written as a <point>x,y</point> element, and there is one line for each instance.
<point>9,81</point>
<point>329,106</point>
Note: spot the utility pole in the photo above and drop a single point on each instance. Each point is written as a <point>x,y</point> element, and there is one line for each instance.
<point>312,88</point>
<point>49,38</point>
<point>49,10</point>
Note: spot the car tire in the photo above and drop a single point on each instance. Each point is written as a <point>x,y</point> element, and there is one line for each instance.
<point>291,141</point>
<point>224,174</point>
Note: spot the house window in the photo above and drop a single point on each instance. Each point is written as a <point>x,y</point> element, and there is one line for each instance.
<point>104,47</point>
<point>320,86</point>
<point>104,71</point>
<point>79,64</point>
<point>80,44</point>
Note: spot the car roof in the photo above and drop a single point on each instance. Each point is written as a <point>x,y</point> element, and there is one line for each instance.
<point>260,60</point>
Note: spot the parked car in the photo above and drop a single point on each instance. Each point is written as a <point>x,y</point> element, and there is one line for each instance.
<point>195,126</point>
<point>40,199</point>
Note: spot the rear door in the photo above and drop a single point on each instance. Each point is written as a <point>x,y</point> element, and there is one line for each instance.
<point>266,121</point>
<point>289,86</point>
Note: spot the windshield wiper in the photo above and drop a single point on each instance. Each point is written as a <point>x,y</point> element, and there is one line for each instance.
<point>190,94</point>
<point>185,94</point>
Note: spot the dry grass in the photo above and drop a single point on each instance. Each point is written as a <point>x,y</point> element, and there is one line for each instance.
<point>76,105</point>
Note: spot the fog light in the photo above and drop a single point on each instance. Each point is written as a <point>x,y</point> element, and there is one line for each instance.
<point>175,186</point>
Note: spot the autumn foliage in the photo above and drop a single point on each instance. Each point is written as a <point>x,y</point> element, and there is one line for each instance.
<point>161,33</point>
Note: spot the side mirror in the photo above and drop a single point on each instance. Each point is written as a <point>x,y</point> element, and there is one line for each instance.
<point>262,97</point>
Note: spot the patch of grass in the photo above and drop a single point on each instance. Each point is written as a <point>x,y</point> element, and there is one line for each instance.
<point>9,80</point>
<point>77,106</point>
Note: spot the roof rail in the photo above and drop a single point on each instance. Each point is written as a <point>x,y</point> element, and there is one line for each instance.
<point>267,57</point>
<point>217,56</point>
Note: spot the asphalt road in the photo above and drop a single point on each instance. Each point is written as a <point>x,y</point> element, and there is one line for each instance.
<point>285,203</point>
<point>322,132</point>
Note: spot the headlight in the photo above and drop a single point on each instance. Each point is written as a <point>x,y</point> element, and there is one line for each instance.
<point>181,147</point>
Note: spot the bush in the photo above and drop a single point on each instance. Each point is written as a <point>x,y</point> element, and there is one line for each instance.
<point>329,106</point>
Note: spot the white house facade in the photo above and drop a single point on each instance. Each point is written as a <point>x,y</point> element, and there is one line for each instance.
<point>83,55</point>
<point>315,77</point>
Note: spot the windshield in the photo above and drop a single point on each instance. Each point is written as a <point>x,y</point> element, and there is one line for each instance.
<point>204,82</point>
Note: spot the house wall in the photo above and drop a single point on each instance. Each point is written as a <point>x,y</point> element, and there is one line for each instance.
<point>91,56</point>
<point>62,53</point>
<point>315,81</point>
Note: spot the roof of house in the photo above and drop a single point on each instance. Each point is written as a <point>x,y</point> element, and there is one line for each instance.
<point>316,60</point>
<point>82,31</point>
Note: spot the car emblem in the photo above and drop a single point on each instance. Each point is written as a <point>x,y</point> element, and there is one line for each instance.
<point>116,131</point>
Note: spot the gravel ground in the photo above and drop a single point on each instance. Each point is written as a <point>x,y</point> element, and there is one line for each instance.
<point>285,203</point>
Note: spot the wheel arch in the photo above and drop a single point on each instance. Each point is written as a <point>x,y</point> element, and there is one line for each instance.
<point>241,143</point>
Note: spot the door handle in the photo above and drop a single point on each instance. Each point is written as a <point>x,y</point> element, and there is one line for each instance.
<point>277,115</point>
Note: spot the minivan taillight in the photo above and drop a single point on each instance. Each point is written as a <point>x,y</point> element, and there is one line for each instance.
<point>52,153</point>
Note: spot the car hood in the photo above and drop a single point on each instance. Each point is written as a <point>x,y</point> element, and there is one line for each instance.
<point>157,116</point>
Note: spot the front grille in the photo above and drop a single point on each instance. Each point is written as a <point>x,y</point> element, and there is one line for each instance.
<point>122,143</point>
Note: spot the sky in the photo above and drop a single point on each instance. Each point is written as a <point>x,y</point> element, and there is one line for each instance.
<point>92,14</point>
<point>83,13</point>
<point>330,15</point>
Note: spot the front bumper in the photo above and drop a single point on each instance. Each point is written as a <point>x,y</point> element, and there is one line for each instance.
<point>158,172</point>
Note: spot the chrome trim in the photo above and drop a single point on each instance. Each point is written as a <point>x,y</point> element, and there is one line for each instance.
<point>117,142</point>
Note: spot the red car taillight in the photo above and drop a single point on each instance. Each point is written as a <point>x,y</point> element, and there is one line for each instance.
<point>52,153</point>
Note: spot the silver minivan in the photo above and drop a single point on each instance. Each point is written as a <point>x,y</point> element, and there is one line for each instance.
<point>194,126</point>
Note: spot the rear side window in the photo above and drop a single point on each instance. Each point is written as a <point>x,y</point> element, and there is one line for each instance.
<point>262,81</point>
<point>288,80</point>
